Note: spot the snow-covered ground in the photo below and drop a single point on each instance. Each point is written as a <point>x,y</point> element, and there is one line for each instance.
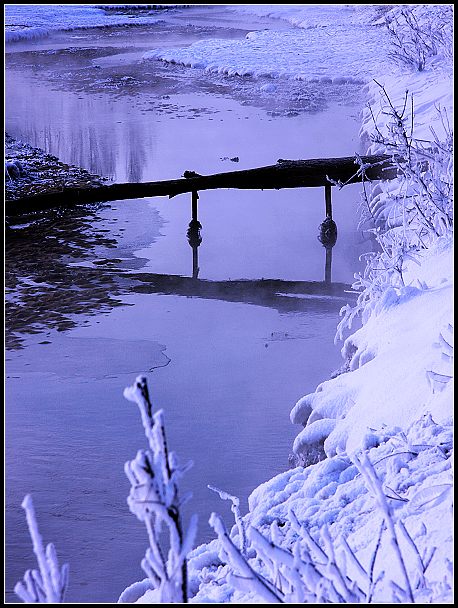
<point>415,468</point>
<point>388,360</point>
<point>392,400</point>
<point>333,43</point>
<point>22,23</point>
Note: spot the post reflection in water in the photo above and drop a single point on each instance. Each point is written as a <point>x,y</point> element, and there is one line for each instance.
<point>194,239</point>
<point>327,236</point>
<point>328,266</point>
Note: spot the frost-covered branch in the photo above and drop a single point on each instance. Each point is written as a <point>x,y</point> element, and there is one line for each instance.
<point>288,564</point>
<point>240,565</point>
<point>414,42</point>
<point>305,574</point>
<point>154,499</point>
<point>48,584</point>
<point>366,468</point>
<point>235,508</point>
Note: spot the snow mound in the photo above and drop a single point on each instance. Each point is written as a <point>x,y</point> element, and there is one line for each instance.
<point>315,15</point>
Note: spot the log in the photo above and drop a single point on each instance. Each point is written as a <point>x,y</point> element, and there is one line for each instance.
<point>285,174</point>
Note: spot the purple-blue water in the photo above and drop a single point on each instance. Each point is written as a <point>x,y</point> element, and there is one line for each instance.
<point>226,365</point>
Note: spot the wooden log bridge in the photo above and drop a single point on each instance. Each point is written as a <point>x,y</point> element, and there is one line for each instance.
<point>310,173</point>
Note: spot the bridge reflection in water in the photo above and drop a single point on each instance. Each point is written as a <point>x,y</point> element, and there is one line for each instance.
<point>327,237</point>
<point>274,293</point>
<point>54,253</point>
<point>284,296</point>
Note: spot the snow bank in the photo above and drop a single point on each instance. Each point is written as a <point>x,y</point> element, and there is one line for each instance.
<point>394,361</point>
<point>21,23</point>
<point>389,360</point>
<point>315,15</point>
<point>415,468</point>
<point>330,46</point>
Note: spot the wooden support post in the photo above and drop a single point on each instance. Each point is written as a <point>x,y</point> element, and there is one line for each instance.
<point>193,234</point>
<point>327,197</point>
<point>195,198</point>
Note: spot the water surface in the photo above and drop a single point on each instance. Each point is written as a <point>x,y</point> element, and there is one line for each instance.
<point>93,296</point>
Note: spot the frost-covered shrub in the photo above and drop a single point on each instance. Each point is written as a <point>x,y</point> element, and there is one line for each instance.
<point>414,211</point>
<point>408,215</point>
<point>154,499</point>
<point>304,574</point>
<point>48,584</point>
<point>417,38</point>
<point>286,564</point>
<point>423,196</point>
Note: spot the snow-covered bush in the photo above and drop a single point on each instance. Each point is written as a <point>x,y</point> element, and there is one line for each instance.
<point>414,211</point>
<point>304,574</point>
<point>276,569</point>
<point>408,215</point>
<point>154,499</point>
<point>417,38</point>
<point>48,584</point>
<point>422,204</point>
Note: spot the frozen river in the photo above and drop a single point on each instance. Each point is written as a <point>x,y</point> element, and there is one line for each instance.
<point>226,365</point>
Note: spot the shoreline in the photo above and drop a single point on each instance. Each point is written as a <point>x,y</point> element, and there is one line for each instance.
<point>41,173</point>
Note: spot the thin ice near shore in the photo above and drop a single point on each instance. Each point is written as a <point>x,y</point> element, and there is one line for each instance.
<point>23,24</point>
